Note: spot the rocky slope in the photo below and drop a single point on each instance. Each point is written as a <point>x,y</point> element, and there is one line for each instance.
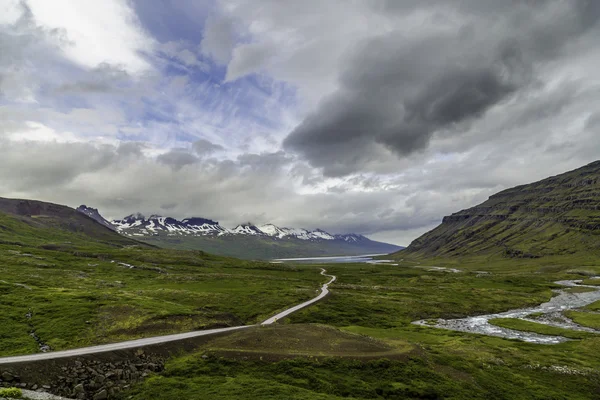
<point>95,215</point>
<point>244,241</point>
<point>559,215</point>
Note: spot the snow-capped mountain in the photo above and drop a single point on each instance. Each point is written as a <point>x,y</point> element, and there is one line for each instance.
<point>280,233</point>
<point>138,225</point>
<point>245,240</point>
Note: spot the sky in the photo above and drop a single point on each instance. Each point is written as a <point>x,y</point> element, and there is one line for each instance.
<point>376,117</point>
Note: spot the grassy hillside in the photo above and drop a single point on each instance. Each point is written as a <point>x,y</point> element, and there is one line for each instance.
<point>556,216</point>
<point>73,282</point>
<point>264,248</point>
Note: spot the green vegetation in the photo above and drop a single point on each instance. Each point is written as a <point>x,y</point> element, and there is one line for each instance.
<point>579,289</point>
<point>76,287</point>
<point>301,339</point>
<point>528,326</point>
<point>376,304</point>
<point>593,282</point>
<point>11,393</point>
<point>585,319</point>
<point>595,306</point>
<point>73,285</point>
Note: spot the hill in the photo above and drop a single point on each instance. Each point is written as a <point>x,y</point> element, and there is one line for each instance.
<point>559,215</point>
<point>37,222</point>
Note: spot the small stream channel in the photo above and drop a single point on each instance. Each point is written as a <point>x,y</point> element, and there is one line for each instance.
<point>551,310</point>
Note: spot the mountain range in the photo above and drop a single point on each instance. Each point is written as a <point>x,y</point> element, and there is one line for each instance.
<point>244,241</point>
<point>557,216</point>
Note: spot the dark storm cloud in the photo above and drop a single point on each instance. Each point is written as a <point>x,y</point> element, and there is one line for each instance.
<point>177,159</point>
<point>204,147</point>
<point>396,92</point>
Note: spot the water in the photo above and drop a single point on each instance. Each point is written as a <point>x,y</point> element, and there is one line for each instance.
<point>551,310</point>
<point>367,258</point>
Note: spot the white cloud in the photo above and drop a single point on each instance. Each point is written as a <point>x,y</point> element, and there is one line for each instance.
<point>98,32</point>
<point>10,11</point>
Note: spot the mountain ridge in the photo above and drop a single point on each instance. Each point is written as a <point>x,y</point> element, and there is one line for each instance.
<point>558,215</point>
<point>246,240</point>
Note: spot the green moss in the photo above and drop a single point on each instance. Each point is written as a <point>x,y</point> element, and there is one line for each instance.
<point>11,393</point>
<point>584,318</point>
<point>528,326</point>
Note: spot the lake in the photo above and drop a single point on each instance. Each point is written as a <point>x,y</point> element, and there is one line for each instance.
<point>366,258</point>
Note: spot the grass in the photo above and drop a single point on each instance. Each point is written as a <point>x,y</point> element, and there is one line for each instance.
<point>378,303</point>
<point>73,291</point>
<point>585,319</point>
<point>11,393</point>
<point>595,306</point>
<point>301,339</point>
<point>592,281</point>
<point>528,326</point>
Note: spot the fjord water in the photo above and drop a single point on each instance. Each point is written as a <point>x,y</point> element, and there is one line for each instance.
<point>336,260</point>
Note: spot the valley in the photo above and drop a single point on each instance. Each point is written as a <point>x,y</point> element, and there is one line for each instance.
<point>424,322</point>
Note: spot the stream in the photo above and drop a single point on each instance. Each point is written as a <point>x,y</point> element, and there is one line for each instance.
<point>551,310</point>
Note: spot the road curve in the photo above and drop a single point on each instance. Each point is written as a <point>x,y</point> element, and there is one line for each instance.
<point>131,344</point>
<point>324,292</point>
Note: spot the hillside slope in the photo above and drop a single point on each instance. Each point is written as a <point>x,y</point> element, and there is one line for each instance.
<point>559,215</point>
<point>38,222</point>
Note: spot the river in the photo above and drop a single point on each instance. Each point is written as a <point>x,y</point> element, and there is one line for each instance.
<point>551,314</point>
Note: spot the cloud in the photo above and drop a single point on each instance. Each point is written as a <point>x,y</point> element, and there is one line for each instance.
<point>399,91</point>
<point>96,32</point>
<point>219,38</point>
<point>395,113</point>
<point>203,147</point>
<point>177,158</point>
<point>247,59</point>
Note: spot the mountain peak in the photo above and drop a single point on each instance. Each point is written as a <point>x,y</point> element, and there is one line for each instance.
<point>135,216</point>
<point>95,215</point>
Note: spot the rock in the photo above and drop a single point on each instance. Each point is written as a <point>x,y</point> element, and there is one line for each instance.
<point>7,377</point>
<point>78,389</point>
<point>101,395</point>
